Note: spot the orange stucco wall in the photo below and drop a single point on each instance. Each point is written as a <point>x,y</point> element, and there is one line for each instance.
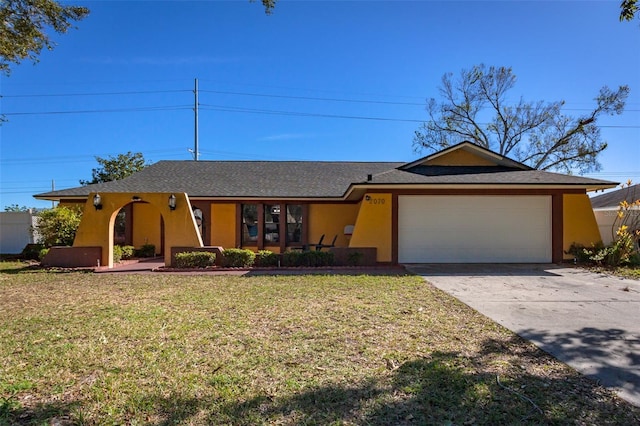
<point>373,226</point>
<point>460,158</point>
<point>579,222</point>
<point>330,220</point>
<point>223,225</point>
<point>96,227</point>
<point>146,226</point>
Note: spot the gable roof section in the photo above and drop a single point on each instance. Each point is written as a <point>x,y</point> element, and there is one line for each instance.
<point>485,156</point>
<point>614,198</point>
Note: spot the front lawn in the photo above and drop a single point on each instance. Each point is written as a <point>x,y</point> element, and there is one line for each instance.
<point>82,348</point>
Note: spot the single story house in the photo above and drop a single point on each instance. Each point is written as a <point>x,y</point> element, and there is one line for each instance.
<point>462,204</point>
<point>606,207</point>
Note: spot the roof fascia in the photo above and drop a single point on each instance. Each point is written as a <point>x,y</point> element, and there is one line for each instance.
<point>587,187</point>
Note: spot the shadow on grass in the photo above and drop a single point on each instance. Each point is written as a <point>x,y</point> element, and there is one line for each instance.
<point>54,413</point>
<point>36,268</point>
<point>596,349</point>
<point>393,271</point>
<point>444,388</point>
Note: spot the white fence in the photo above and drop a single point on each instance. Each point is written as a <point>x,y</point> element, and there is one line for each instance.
<point>15,231</point>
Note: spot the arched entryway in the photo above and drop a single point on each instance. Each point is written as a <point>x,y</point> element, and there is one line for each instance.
<point>170,222</point>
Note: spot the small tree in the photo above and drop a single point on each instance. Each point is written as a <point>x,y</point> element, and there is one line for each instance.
<point>58,226</point>
<point>628,9</point>
<point>16,208</point>
<point>24,24</point>
<point>116,168</point>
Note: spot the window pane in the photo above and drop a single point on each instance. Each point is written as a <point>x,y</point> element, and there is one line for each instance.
<point>249,223</point>
<point>294,223</point>
<point>271,223</point>
<point>197,213</point>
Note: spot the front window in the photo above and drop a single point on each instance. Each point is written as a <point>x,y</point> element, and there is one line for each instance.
<point>294,223</point>
<point>250,223</point>
<point>197,214</point>
<point>268,224</point>
<point>271,223</point>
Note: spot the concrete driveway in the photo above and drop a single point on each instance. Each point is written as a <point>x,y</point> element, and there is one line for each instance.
<point>587,320</point>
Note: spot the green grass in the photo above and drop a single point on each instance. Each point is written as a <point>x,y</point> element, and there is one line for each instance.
<point>162,349</point>
<point>632,272</point>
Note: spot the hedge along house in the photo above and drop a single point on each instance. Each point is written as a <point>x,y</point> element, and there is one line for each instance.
<point>462,204</point>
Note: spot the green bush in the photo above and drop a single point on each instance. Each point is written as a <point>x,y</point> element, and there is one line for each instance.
<point>122,252</point>
<point>127,252</point>
<point>147,250</point>
<point>307,258</point>
<point>620,252</point>
<point>31,251</point>
<point>117,254</point>
<point>355,258</point>
<point>583,254</point>
<point>43,252</point>
<point>266,258</point>
<point>57,227</point>
<point>195,259</point>
<point>238,258</point>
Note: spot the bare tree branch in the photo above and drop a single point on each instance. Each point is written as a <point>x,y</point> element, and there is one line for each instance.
<point>475,108</point>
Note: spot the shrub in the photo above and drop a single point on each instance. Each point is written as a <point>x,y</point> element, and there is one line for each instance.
<point>43,252</point>
<point>127,252</point>
<point>31,251</point>
<point>58,226</point>
<point>238,258</point>
<point>307,258</point>
<point>195,259</point>
<point>355,258</point>
<point>266,258</point>
<point>619,253</point>
<point>147,250</point>
<point>583,254</point>
<point>117,254</point>
<point>122,252</point>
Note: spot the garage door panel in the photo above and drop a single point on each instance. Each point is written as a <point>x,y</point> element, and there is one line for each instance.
<point>474,229</point>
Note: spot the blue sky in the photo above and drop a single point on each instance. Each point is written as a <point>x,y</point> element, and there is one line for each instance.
<point>313,81</point>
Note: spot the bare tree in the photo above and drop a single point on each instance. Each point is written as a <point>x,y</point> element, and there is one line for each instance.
<point>475,107</point>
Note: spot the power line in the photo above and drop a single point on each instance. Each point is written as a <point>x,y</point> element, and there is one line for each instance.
<point>79,158</point>
<point>302,114</point>
<point>92,94</point>
<point>251,94</point>
<point>313,98</point>
<point>94,111</point>
<point>223,108</point>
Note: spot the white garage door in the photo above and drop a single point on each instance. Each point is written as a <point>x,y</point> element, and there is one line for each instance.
<point>474,229</point>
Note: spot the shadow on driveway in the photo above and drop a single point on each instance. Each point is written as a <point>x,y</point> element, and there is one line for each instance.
<point>588,320</point>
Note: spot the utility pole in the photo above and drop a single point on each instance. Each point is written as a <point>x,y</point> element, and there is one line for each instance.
<point>53,188</point>
<point>196,153</point>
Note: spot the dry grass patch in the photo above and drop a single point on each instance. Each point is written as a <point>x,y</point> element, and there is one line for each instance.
<point>81,348</point>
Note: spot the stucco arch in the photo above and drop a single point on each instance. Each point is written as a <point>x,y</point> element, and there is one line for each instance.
<point>96,227</point>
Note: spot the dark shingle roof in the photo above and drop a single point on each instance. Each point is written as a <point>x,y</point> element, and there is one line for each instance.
<point>242,179</point>
<point>489,175</point>
<point>614,198</point>
<point>305,179</point>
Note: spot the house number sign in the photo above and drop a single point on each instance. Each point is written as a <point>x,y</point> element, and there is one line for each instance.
<point>375,200</point>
